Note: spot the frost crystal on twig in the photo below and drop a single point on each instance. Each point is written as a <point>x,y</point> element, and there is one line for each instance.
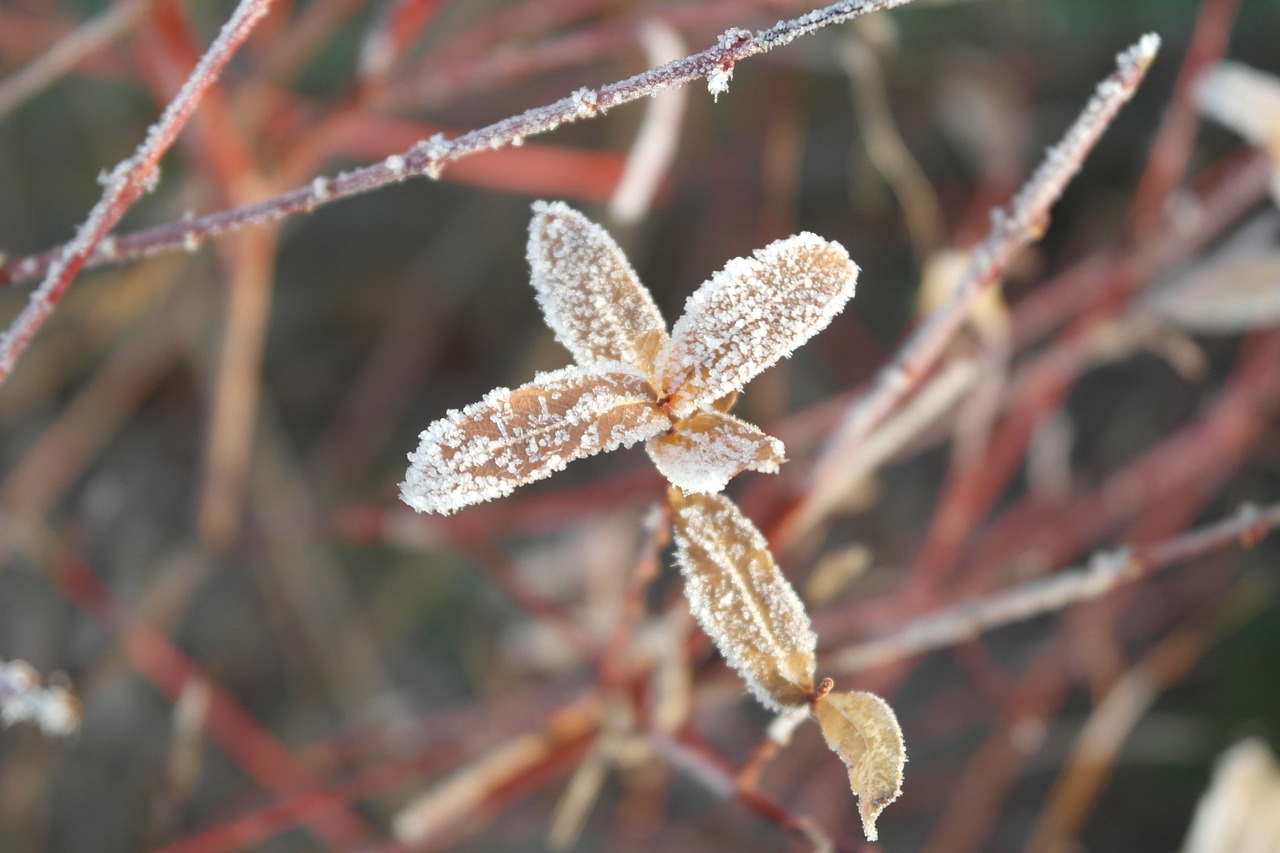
<point>742,601</point>
<point>633,381</point>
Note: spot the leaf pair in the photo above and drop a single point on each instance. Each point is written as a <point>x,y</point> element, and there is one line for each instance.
<point>744,603</point>
<point>633,381</point>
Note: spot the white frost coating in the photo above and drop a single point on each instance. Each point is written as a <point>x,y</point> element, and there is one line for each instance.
<point>513,437</point>
<point>319,190</point>
<point>588,292</point>
<point>586,101</point>
<point>752,313</point>
<point>718,82</point>
<point>742,601</point>
<point>703,454</point>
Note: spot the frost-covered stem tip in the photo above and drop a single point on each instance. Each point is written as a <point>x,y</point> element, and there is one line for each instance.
<point>1012,228</point>
<point>23,699</point>
<point>1103,573</point>
<point>126,183</point>
<point>430,157</point>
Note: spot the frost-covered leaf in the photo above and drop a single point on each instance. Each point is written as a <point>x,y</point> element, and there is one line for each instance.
<point>588,291</point>
<point>741,599</point>
<point>1247,101</point>
<point>752,313</point>
<point>707,449</point>
<point>1227,294</point>
<point>862,729</point>
<point>514,437</point>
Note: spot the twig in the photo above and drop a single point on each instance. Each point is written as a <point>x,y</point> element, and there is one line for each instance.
<point>1012,229</point>
<point>125,184</point>
<point>1104,573</point>
<point>432,156</point>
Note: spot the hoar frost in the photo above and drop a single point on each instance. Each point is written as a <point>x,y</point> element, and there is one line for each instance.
<point>632,380</point>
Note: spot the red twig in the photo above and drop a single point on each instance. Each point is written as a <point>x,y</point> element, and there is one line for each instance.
<point>1012,229</point>
<point>125,184</point>
<point>431,157</point>
<point>256,750</point>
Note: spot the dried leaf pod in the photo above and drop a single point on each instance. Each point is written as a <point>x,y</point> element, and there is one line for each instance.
<point>589,293</point>
<point>1247,101</point>
<point>741,599</point>
<point>1226,295</point>
<point>510,438</point>
<point>862,729</point>
<point>752,313</point>
<point>708,449</point>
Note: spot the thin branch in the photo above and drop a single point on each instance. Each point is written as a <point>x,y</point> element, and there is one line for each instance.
<point>431,157</point>
<point>125,184</point>
<point>1104,572</point>
<point>1013,228</point>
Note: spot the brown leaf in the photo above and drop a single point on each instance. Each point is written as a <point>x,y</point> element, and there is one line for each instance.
<point>707,449</point>
<point>861,728</point>
<point>752,313</point>
<point>514,437</point>
<point>741,599</point>
<point>588,291</point>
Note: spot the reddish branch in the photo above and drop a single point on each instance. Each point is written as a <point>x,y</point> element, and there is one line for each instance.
<point>431,157</point>
<point>125,184</point>
<point>1012,230</point>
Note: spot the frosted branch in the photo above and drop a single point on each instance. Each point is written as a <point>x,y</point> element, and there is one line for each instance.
<point>1103,573</point>
<point>1012,228</point>
<point>124,185</point>
<point>432,156</point>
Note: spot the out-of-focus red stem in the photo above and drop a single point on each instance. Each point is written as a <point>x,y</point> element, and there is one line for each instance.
<point>259,753</point>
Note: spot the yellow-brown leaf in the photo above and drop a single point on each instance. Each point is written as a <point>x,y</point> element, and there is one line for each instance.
<point>862,729</point>
<point>707,449</point>
<point>752,313</point>
<point>588,291</point>
<point>741,599</point>
<point>514,437</point>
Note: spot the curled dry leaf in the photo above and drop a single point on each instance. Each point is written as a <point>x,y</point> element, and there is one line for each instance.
<point>709,448</point>
<point>752,313</point>
<point>862,729</point>
<point>589,293</point>
<point>510,438</point>
<point>741,599</point>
